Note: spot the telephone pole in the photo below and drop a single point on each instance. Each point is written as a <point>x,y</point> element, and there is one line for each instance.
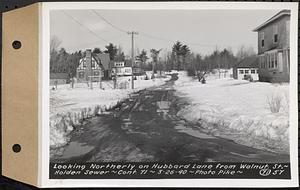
<point>132,55</point>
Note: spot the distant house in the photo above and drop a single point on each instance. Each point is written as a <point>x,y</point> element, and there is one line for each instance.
<point>59,78</point>
<point>93,66</point>
<point>247,68</point>
<point>274,48</point>
<point>121,68</point>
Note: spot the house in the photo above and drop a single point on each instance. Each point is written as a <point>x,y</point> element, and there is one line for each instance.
<point>59,78</point>
<point>121,68</point>
<point>274,48</point>
<point>247,68</point>
<point>93,65</point>
<point>137,68</point>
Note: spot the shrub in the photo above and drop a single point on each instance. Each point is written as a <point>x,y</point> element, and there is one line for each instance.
<point>275,103</point>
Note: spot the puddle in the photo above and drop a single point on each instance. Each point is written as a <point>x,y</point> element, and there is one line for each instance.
<point>192,132</point>
<point>75,149</point>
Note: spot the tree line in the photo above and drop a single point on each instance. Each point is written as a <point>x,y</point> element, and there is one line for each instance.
<point>179,58</point>
<point>63,62</point>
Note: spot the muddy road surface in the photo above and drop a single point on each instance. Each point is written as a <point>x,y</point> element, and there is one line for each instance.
<point>145,127</point>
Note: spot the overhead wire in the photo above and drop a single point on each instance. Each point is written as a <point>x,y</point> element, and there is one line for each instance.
<point>83,26</point>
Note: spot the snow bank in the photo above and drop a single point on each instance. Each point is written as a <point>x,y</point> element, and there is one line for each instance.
<point>238,109</point>
<point>69,107</point>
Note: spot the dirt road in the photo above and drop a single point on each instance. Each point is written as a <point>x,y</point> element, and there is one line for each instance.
<point>145,128</point>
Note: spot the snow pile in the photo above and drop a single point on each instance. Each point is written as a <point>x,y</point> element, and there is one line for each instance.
<point>238,109</point>
<point>68,107</point>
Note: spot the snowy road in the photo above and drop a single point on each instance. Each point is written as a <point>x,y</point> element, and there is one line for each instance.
<point>145,128</point>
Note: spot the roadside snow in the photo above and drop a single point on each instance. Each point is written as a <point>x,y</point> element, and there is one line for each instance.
<point>69,106</point>
<point>238,109</point>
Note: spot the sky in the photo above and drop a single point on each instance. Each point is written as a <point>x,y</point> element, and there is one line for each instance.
<point>202,30</point>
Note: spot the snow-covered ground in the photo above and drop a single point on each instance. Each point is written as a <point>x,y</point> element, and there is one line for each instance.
<point>238,110</point>
<point>69,106</point>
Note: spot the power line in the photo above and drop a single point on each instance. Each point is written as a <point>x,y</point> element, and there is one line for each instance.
<point>105,20</point>
<point>83,26</point>
<point>145,34</point>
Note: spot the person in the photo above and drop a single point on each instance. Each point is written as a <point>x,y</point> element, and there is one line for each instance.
<point>55,84</point>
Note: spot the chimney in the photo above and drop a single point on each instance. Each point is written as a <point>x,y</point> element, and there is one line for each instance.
<point>88,56</point>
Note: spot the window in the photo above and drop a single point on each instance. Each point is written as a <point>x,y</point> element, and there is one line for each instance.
<point>262,37</point>
<point>275,60</point>
<point>257,71</point>
<point>275,34</point>
<point>241,71</point>
<point>269,60</point>
<point>96,73</point>
<point>272,60</point>
<point>246,71</point>
<point>252,71</point>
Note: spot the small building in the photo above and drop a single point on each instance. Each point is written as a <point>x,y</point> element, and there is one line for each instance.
<point>59,78</point>
<point>274,48</point>
<point>137,68</point>
<point>93,66</point>
<point>121,68</point>
<point>246,69</point>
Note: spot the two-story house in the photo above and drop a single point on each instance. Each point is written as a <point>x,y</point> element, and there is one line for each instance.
<point>274,48</point>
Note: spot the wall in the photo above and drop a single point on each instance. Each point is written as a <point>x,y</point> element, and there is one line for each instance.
<point>274,74</point>
<point>283,35</point>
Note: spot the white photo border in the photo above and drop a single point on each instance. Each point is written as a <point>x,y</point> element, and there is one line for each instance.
<point>44,132</point>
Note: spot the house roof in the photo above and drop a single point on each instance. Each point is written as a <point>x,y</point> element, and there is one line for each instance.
<point>248,62</point>
<point>59,76</point>
<point>275,17</point>
<point>104,59</point>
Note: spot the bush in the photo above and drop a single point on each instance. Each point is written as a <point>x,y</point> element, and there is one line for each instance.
<point>191,72</point>
<point>275,103</point>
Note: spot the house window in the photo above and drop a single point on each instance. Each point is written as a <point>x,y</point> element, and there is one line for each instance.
<point>275,34</point>
<point>257,71</point>
<point>252,71</point>
<point>262,36</point>
<point>246,71</point>
<point>96,73</point>
<point>275,60</point>
<point>269,60</point>
<point>272,60</point>
<point>241,71</point>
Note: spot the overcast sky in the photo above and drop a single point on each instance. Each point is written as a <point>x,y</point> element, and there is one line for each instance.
<point>202,30</point>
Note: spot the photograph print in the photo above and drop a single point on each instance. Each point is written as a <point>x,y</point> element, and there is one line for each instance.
<point>170,87</point>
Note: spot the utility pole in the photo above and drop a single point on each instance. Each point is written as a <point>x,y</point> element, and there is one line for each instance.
<point>132,55</point>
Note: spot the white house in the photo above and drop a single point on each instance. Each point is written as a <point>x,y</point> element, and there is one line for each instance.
<point>120,69</point>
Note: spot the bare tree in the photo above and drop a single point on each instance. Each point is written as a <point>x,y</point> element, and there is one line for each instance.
<point>54,43</point>
<point>154,55</point>
<point>245,51</point>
